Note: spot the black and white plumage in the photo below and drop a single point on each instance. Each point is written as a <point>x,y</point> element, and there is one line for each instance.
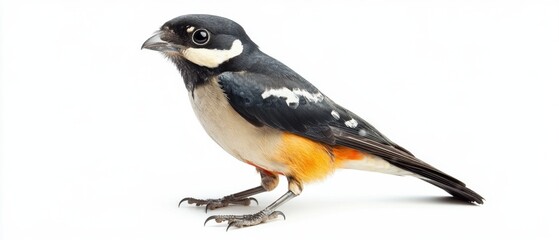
<point>249,103</point>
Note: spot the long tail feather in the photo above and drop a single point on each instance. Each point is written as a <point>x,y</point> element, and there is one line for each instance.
<point>408,162</point>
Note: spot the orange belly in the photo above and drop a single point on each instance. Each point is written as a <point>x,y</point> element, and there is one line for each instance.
<point>308,160</point>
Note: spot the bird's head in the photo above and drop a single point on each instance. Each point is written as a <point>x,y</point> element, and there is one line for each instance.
<point>201,44</point>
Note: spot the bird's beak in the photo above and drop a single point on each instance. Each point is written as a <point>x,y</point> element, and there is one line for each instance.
<point>156,43</point>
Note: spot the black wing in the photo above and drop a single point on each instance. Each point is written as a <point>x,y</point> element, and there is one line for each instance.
<point>292,104</point>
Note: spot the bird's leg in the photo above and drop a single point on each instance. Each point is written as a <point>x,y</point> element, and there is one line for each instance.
<point>269,182</point>
<point>266,214</point>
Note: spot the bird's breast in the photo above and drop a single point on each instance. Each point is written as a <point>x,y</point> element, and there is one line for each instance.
<point>246,142</point>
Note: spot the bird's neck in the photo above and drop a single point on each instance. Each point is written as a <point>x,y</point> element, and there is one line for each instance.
<point>192,74</point>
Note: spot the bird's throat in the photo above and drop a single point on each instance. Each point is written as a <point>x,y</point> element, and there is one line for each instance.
<point>192,74</point>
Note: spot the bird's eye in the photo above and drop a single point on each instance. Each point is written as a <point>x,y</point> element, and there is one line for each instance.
<point>201,36</point>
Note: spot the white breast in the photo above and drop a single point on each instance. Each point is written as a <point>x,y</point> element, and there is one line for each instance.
<point>232,132</point>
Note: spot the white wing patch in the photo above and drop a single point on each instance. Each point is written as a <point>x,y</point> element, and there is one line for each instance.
<point>311,97</point>
<point>362,132</point>
<point>335,114</point>
<point>351,123</point>
<point>292,96</point>
<point>212,57</point>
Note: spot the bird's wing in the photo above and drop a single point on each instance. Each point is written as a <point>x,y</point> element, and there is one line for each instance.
<point>296,106</point>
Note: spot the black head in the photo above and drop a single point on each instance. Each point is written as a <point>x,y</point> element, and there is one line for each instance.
<point>200,44</point>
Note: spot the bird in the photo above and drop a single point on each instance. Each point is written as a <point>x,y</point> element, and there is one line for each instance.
<point>265,114</point>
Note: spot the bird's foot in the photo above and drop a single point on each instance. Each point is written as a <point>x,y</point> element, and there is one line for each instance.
<point>212,204</point>
<point>246,220</point>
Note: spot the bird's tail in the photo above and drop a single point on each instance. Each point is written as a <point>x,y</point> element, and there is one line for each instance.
<point>416,168</point>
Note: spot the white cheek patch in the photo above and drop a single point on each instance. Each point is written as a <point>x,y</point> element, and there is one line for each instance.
<point>212,57</point>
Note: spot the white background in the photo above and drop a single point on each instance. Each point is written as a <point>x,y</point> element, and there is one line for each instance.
<point>98,140</point>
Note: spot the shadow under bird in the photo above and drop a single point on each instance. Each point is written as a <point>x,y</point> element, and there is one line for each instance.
<point>265,114</point>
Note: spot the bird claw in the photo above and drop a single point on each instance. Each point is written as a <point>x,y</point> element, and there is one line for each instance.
<point>212,204</point>
<point>246,220</point>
